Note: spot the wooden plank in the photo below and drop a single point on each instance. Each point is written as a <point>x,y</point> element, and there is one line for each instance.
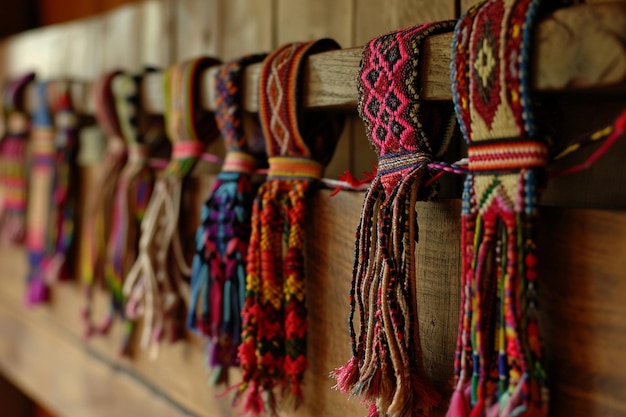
<point>374,19</point>
<point>333,84</point>
<point>246,27</point>
<point>121,39</point>
<point>582,263</point>
<point>197,27</point>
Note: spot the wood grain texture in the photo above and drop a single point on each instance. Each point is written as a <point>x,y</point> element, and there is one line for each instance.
<point>197,27</point>
<point>373,18</point>
<point>246,27</point>
<point>582,263</point>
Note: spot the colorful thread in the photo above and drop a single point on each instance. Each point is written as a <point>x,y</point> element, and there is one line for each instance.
<point>386,368</point>
<point>219,265</point>
<point>273,349</point>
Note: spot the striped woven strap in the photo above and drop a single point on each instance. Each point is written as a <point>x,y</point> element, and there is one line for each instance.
<point>13,176</point>
<point>189,128</point>
<point>405,132</point>
<point>289,132</point>
<point>491,87</point>
<point>40,196</point>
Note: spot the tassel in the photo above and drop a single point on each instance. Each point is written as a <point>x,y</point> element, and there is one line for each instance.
<point>498,362</point>
<point>386,353</point>
<point>150,284</point>
<point>273,349</point>
<point>132,194</point>
<point>13,173</point>
<point>100,206</point>
<point>65,186</point>
<point>219,266</point>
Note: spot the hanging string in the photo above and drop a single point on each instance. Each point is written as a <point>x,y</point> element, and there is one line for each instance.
<point>40,207</point>
<point>498,361</point>
<point>152,290</point>
<point>273,349</point>
<point>100,206</point>
<point>386,365</point>
<point>65,185</point>
<point>13,173</point>
<point>219,265</point>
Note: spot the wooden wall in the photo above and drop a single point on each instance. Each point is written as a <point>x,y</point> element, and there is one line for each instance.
<point>583,290</point>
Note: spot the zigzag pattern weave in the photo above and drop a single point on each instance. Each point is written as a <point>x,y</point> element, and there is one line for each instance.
<point>13,174</point>
<point>273,349</point>
<point>132,194</point>
<point>153,284</point>
<point>66,185</point>
<point>498,360</point>
<point>219,268</point>
<point>39,219</point>
<point>386,366</point>
<point>100,205</point>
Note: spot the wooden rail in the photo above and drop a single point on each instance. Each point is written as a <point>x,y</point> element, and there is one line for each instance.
<point>580,47</point>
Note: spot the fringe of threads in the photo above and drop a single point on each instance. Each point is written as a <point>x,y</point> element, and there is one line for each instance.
<point>219,269</point>
<point>134,189</point>
<point>386,368</point>
<point>100,208</point>
<point>65,195</point>
<point>273,348</point>
<point>498,359</point>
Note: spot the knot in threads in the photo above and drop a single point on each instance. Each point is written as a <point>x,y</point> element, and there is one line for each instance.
<point>393,167</point>
<point>506,155</point>
<point>294,168</point>
<point>239,162</point>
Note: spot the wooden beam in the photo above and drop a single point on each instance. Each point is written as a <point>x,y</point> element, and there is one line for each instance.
<point>579,47</point>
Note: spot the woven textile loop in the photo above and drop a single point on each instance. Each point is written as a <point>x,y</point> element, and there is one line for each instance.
<point>498,361</point>
<point>386,366</point>
<point>39,221</point>
<point>13,174</point>
<point>100,205</point>
<point>153,284</point>
<point>273,349</point>
<point>219,265</point>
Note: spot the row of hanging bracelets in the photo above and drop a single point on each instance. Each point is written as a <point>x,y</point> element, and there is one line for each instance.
<point>246,293</point>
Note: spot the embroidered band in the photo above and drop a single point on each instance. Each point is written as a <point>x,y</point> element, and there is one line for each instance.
<point>293,168</point>
<point>505,156</point>
<point>239,162</point>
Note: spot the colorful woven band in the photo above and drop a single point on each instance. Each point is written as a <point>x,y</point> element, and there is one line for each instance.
<point>100,204</point>
<point>498,360</point>
<point>154,282</point>
<point>189,128</point>
<point>218,270</point>
<point>13,175</point>
<point>493,156</point>
<point>66,185</point>
<point>132,194</point>
<point>386,365</point>
<point>273,349</point>
<point>228,109</point>
<point>294,168</point>
<point>239,162</point>
<point>40,197</point>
